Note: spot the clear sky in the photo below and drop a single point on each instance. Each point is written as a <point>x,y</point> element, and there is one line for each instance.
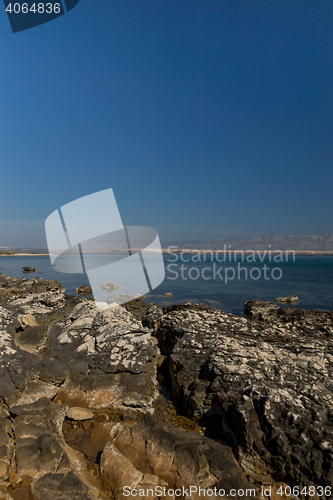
<point>209,119</point>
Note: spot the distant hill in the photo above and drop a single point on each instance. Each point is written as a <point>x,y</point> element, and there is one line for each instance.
<point>308,242</point>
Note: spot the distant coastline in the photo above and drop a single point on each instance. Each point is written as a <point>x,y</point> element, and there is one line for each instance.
<point>183,251</point>
<point>23,254</point>
<point>298,245</point>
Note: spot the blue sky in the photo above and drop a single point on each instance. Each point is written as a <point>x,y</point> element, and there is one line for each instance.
<point>209,119</point>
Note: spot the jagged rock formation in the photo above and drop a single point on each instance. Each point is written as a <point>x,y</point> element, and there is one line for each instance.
<point>83,357</point>
<point>263,388</point>
<point>262,391</point>
<point>62,359</point>
<point>156,454</point>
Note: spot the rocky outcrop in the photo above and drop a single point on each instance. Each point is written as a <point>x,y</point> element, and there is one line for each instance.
<point>83,290</point>
<point>78,394</point>
<point>62,359</point>
<point>138,308</point>
<point>260,309</point>
<point>159,454</point>
<point>110,359</point>
<point>85,358</point>
<point>292,299</point>
<point>263,388</point>
<point>13,287</point>
<point>29,269</point>
<point>55,347</point>
<point>305,319</point>
<point>34,452</point>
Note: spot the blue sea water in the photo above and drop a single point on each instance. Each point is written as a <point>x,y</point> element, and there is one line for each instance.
<point>308,277</point>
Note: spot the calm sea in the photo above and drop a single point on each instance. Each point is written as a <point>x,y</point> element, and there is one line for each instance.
<point>208,282</point>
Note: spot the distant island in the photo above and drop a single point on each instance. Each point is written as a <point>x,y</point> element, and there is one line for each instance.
<point>22,252</point>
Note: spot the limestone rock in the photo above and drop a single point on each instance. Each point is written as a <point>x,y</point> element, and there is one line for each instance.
<point>40,286</point>
<point>111,359</point>
<point>56,470</point>
<point>76,413</point>
<point>290,299</point>
<point>26,320</point>
<point>32,338</point>
<point>118,471</point>
<point>173,456</point>
<point>11,286</point>
<point>264,388</point>
<point>76,355</point>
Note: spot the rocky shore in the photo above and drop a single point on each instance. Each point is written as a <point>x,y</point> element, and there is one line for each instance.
<point>248,402</point>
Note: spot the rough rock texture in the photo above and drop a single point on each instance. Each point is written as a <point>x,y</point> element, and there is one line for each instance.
<point>10,286</point>
<point>88,358</point>
<point>261,310</point>
<point>137,307</point>
<point>35,449</point>
<point>155,453</point>
<point>59,347</point>
<point>263,388</point>
<point>110,358</point>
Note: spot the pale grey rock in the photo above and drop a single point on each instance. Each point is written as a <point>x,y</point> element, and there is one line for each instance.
<point>118,355</point>
<point>77,413</point>
<point>89,358</point>
<point>291,299</point>
<point>37,304</point>
<point>26,320</point>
